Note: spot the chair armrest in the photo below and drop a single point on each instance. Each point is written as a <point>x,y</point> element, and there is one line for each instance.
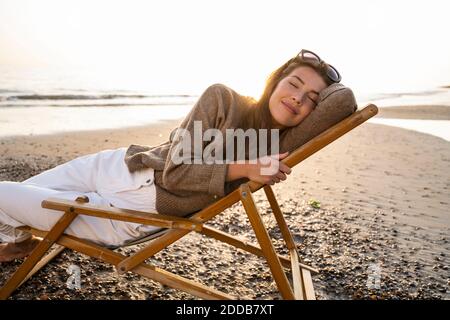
<point>153,219</point>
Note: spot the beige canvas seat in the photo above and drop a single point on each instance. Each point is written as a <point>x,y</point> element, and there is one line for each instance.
<point>300,286</point>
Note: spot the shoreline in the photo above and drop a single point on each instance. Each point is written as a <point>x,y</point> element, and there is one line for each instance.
<point>429,119</point>
<point>50,120</point>
<point>419,112</point>
<point>71,119</point>
<point>384,201</point>
<point>88,141</point>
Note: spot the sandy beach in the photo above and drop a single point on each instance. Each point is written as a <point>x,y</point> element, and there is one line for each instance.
<point>384,196</point>
<point>423,112</point>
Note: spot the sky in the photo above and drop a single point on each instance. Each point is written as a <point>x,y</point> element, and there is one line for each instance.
<point>184,46</point>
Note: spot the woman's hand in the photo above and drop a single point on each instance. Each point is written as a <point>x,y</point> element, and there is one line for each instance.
<point>266,170</point>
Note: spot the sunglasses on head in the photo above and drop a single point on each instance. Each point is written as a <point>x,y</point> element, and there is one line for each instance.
<point>309,56</point>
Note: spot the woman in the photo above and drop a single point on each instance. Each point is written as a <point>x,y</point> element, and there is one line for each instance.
<point>148,179</point>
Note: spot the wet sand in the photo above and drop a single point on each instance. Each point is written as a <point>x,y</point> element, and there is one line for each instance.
<point>431,112</point>
<point>384,205</point>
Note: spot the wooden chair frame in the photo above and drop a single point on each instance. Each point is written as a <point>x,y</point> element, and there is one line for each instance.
<point>302,285</point>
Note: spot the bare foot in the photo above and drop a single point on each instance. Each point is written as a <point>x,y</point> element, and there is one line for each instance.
<point>11,251</point>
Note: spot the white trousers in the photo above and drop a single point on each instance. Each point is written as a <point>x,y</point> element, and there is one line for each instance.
<point>103,177</point>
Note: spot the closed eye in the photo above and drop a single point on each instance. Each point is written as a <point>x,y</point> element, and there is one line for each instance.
<point>309,97</point>
<point>302,83</point>
<point>312,100</point>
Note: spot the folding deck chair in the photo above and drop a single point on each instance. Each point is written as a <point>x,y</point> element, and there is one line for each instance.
<point>175,228</point>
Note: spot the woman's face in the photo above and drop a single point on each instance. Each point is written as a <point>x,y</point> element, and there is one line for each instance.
<point>295,97</point>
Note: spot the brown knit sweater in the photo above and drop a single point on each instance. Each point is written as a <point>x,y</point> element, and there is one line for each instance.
<point>182,189</point>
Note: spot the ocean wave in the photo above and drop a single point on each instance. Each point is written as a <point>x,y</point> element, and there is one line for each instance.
<point>106,105</point>
<point>8,91</point>
<point>383,96</point>
<point>89,97</point>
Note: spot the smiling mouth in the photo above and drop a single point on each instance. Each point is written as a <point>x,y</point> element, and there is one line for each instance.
<point>290,108</point>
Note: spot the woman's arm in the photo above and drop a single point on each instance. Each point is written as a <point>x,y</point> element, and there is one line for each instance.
<point>236,171</point>
<point>267,170</point>
<point>193,174</point>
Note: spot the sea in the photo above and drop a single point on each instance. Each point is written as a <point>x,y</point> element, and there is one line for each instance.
<point>33,102</point>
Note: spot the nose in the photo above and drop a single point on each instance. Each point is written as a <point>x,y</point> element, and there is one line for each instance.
<point>298,100</point>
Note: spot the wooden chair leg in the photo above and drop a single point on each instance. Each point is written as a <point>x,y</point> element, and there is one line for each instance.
<point>36,255</point>
<point>43,262</point>
<point>302,277</point>
<point>287,236</point>
<point>265,242</point>
<point>297,279</point>
<point>308,285</point>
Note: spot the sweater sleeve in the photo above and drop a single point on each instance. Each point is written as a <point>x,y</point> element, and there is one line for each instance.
<point>192,173</point>
<point>336,103</point>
